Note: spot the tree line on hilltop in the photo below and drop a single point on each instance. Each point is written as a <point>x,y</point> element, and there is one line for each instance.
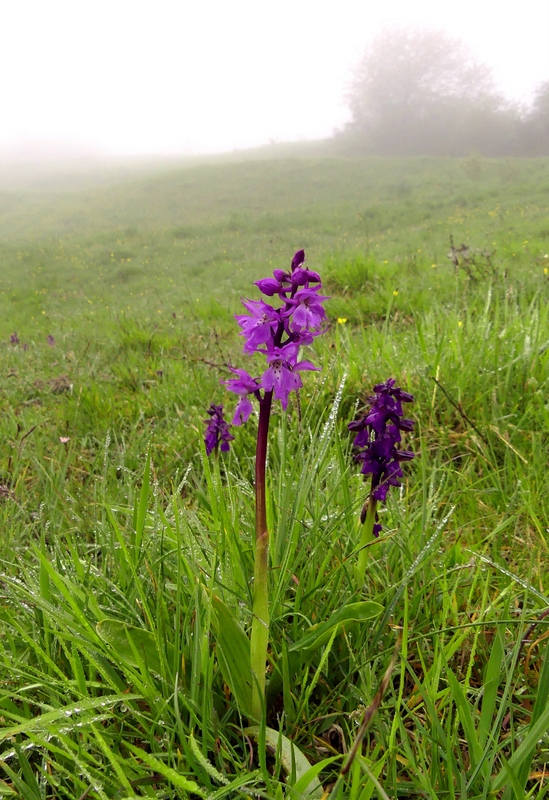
<point>422,93</point>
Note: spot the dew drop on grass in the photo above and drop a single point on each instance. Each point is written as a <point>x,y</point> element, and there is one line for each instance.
<point>12,753</point>
<point>329,425</point>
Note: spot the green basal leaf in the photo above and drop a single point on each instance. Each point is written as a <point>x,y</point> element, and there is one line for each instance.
<point>319,635</point>
<point>132,644</point>
<point>233,648</point>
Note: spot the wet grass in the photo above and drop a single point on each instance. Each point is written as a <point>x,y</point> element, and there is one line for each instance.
<point>111,516</point>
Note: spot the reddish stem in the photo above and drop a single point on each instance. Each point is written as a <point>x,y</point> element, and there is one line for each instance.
<point>260,463</point>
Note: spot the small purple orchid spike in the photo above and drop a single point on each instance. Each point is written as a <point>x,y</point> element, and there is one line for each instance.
<point>217,433</point>
<point>377,436</point>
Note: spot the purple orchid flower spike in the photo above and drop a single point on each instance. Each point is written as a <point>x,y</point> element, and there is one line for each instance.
<point>217,434</point>
<point>378,433</point>
<point>277,332</point>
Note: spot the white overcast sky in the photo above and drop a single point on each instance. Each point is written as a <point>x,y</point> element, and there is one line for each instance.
<point>169,76</point>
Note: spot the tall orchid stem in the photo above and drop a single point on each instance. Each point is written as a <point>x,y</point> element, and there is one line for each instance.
<point>366,537</point>
<point>260,610</point>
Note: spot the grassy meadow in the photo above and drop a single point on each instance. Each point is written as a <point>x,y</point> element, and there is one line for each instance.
<point>127,555</point>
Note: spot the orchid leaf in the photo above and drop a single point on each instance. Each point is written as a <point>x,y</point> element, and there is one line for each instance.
<point>132,644</point>
<point>319,634</point>
<point>233,648</point>
<point>292,759</point>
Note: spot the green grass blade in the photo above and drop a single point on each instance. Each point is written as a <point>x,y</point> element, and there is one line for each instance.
<point>234,654</point>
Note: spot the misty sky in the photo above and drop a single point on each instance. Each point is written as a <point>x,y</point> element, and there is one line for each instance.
<point>173,76</point>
